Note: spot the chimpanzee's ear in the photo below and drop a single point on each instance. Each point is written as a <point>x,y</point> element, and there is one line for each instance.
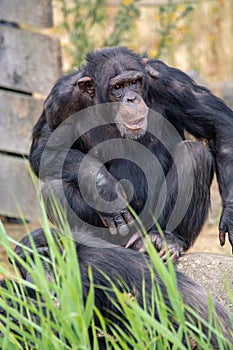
<point>86,85</point>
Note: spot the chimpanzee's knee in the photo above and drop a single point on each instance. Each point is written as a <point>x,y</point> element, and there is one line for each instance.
<point>63,200</point>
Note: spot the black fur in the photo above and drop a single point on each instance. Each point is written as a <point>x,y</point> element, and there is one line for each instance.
<point>127,269</point>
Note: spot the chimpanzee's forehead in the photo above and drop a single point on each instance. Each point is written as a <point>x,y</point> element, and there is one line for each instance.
<point>112,69</point>
<point>127,75</point>
<point>111,62</point>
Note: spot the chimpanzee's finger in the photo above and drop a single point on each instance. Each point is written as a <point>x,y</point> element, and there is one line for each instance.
<point>109,223</point>
<point>129,219</point>
<point>123,230</point>
<point>111,226</point>
<point>113,230</point>
<point>104,221</point>
<point>230,236</point>
<point>174,255</point>
<point>222,237</point>
<point>136,236</point>
<point>142,249</point>
<point>121,225</point>
<point>151,71</point>
<point>163,254</point>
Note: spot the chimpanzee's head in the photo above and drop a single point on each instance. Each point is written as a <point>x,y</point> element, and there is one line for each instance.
<point>118,75</point>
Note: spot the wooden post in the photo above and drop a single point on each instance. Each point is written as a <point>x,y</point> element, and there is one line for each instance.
<point>30,63</point>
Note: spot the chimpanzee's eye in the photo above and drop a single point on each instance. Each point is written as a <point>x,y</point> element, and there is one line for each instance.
<point>117,90</point>
<point>118,86</point>
<point>135,83</point>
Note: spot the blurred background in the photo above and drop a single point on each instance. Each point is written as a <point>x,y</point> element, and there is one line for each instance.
<point>42,39</point>
<point>195,36</point>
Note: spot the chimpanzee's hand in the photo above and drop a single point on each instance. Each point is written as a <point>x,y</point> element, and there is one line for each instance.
<point>169,244</point>
<point>226,226</point>
<point>118,222</point>
<point>110,190</point>
<point>153,73</point>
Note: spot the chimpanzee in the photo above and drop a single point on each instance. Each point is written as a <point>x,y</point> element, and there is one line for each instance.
<point>110,144</point>
<point>110,263</point>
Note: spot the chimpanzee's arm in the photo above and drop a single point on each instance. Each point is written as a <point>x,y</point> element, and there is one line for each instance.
<point>53,156</point>
<point>50,155</point>
<point>203,115</point>
<point>48,149</point>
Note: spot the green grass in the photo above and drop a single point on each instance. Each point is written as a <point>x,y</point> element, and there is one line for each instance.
<point>61,319</point>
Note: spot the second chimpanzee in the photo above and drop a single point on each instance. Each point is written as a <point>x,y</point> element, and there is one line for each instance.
<point>127,269</point>
<point>133,151</point>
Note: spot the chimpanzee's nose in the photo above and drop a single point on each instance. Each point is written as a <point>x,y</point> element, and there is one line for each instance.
<point>131,97</point>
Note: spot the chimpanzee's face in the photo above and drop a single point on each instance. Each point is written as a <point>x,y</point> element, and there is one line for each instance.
<point>131,118</point>
<point>129,83</point>
<point>118,78</point>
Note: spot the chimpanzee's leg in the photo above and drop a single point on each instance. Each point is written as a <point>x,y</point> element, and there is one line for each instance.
<point>188,184</point>
<point>64,204</point>
<point>187,200</point>
<point>67,198</point>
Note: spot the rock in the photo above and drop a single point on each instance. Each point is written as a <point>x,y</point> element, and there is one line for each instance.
<point>212,271</point>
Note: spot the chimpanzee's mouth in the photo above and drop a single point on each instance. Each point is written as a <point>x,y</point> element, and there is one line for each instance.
<point>135,124</point>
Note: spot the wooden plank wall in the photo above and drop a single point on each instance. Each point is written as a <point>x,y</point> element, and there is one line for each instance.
<point>30,62</point>
<point>37,13</point>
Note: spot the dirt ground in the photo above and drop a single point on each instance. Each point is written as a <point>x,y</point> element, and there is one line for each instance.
<point>206,242</point>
